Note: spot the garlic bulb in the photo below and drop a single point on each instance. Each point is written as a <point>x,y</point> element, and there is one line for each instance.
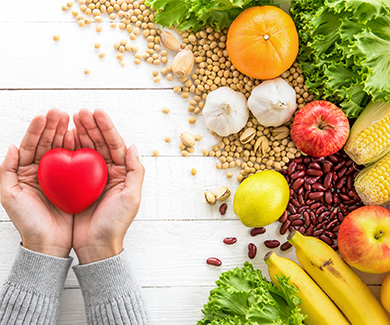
<point>225,111</point>
<point>273,102</point>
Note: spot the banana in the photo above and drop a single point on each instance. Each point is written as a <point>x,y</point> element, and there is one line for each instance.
<point>338,280</point>
<point>385,293</point>
<point>320,310</point>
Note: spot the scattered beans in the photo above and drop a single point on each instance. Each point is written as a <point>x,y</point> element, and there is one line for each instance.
<point>86,71</point>
<point>257,231</point>
<point>214,261</point>
<point>272,243</point>
<point>155,153</point>
<point>252,250</point>
<point>56,37</point>
<point>321,195</point>
<point>193,171</point>
<point>230,240</point>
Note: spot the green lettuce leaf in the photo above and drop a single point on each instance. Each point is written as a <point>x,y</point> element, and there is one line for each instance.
<point>344,50</point>
<point>243,296</point>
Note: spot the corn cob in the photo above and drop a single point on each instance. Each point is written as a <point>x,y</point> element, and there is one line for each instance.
<point>373,183</point>
<point>369,139</point>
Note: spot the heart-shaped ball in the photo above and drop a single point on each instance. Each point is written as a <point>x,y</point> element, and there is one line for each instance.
<point>72,180</point>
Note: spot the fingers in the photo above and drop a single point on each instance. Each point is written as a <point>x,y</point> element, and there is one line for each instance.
<point>83,136</point>
<point>62,128</point>
<point>69,141</point>
<point>28,146</point>
<point>8,176</point>
<point>53,117</point>
<point>76,139</point>
<point>135,173</point>
<point>95,134</point>
<point>113,139</point>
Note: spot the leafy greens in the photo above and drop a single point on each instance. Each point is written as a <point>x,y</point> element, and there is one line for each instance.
<point>243,296</point>
<point>195,14</point>
<point>344,50</point>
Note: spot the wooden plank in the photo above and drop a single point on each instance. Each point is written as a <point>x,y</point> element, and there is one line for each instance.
<point>39,62</point>
<point>173,253</point>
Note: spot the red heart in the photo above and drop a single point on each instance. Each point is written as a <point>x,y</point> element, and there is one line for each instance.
<point>72,180</point>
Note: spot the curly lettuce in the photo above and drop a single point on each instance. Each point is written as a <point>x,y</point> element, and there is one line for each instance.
<point>344,50</point>
<point>243,296</point>
<point>195,14</point>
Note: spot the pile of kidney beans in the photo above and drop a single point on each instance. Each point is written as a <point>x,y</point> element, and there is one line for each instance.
<point>321,195</point>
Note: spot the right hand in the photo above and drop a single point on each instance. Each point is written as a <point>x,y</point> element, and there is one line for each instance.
<point>99,231</point>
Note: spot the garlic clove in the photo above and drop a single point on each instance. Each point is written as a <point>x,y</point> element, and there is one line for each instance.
<point>183,63</point>
<point>169,41</point>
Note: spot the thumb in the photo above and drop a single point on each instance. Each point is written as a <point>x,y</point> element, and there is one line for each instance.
<point>135,172</point>
<point>8,176</point>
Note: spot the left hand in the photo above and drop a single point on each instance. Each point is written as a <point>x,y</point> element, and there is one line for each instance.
<point>42,227</point>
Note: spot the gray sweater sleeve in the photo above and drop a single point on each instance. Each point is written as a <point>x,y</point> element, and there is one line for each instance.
<point>110,292</point>
<point>31,294</point>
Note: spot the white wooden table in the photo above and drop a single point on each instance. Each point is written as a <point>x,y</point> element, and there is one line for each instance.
<point>175,230</point>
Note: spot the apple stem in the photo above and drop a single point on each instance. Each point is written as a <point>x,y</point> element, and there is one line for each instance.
<point>378,234</point>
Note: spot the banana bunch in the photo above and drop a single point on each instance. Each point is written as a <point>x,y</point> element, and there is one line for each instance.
<point>333,279</point>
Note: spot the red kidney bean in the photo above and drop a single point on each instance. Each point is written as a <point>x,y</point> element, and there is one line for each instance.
<point>343,209</point>
<point>350,171</point>
<point>321,224</point>
<point>326,239</point>
<point>294,216</point>
<point>284,227</point>
<point>354,195</point>
<point>291,208</point>
<point>328,180</point>
<point>328,196</point>
<point>323,215</point>
<point>344,197</point>
<point>318,232</point>
<point>316,195</point>
<point>302,230</point>
<point>333,158</point>
<point>309,230</point>
<point>314,172</point>
<point>303,208</point>
<point>330,234</point>
<point>230,240</point>
<point>306,216</point>
<point>298,160</point>
<point>349,163</point>
<point>310,201</point>
<point>318,186</point>
<point>312,180</point>
<point>297,184</point>
<point>336,228</point>
<point>339,165</point>
<point>306,160</point>
<point>353,207</point>
<point>335,247</point>
<point>298,174</point>
<point>307,187</point>
<point>291,228</point>
<point>291,192</point>
<point>300,167</point>
<point>349,202</point>
<point>287,179</point>
<point>214,261</point>
<point>340,217</point>
<point>315,165</point>
<point>313,218</point>
<point>326,167</point>
<point>336,199</point>
<point>285,246</point>
<point>257,231</point>
<point>272,243</point>
<point>222,209</point>
<point>333,213</point>
<point>340,183</point>
<point>291,167</point>
<point>297,222</point>
<point>320,209</point>
<point>331,224</point>
<point>301,200</point>
<point>252,250</point>
<point>356,172</point>
<point>335,177</point>
<point>284,216</point>
<point>295,202</point>
<point>342,171</point>
<point>315,206</point>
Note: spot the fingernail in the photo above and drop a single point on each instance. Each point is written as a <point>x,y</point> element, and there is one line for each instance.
<point>134,150</point>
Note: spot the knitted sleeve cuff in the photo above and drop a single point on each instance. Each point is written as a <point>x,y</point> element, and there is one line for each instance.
<point>40,273</point>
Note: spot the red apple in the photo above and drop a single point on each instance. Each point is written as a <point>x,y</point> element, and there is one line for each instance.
<point>364,239</point>
<point>320,128</point>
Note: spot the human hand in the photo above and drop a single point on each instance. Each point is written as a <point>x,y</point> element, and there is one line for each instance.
<point>42,227</point>
<point>98,231</point>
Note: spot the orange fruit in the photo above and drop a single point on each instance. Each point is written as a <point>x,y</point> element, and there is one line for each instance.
<point>262,42</point>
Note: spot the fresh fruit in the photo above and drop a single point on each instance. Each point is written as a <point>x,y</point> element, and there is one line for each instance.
<point>315,303</point>
<point>261,198</point>
<point>320,128</point>
<point>372,183</point>
<point>364,239</point>
<point>369,139</point>
<point>72,180</point>
<point>338,280</point>
<point>262,42</point>
<point>385,293</point>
